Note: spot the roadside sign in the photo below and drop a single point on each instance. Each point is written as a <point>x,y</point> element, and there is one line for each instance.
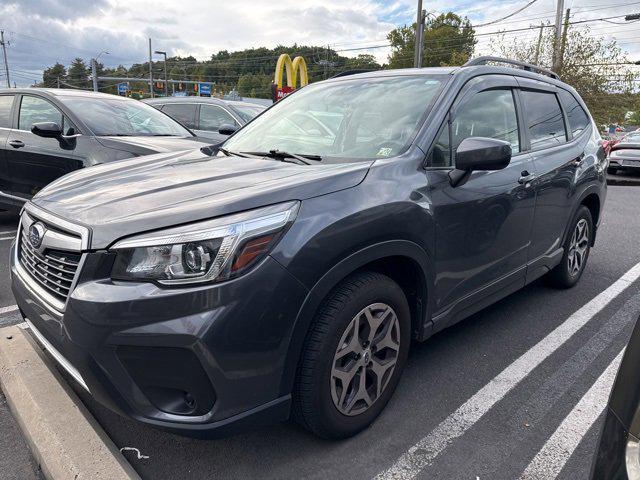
<point>122,88</point>
<point>204,89</point>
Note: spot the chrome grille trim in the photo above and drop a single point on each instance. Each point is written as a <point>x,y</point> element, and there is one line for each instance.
<point>50,272</point>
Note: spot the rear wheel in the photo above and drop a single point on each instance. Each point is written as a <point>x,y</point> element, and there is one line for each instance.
<point>576,251</point>
<point>353,356</point>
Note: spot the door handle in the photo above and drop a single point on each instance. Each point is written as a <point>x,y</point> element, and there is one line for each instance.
<point>526,177</point>
<point>16,143</point>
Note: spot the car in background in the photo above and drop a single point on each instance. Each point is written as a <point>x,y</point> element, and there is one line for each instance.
<point>625,155</point>
<point>47,133</point>
<point>211,118</point>
<point>618,452</point>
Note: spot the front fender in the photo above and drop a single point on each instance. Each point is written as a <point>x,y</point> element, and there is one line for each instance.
<point>350,264</point>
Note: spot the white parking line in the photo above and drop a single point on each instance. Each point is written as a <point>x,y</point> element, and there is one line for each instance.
<point>549,461</point>
<point>8,309</point>
<point>8,232</point>
<point>457,423</point>
<point>6,238</point>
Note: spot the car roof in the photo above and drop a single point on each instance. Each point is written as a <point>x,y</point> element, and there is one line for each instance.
<point>464,71</point>
<point>194,99</point>
<point>57,92</point>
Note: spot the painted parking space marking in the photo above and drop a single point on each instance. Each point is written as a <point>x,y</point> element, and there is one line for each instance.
<point>420,455</point>
<point>8,232</point>
<point>8,309</point>
<point>549,461</point>
<point>6,238</point>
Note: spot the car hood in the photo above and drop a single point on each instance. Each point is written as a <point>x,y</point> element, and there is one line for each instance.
<point>126,197</point>
<point>147,145</point>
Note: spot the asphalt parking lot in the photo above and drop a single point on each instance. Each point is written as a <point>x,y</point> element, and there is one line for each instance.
<point>479,400</point>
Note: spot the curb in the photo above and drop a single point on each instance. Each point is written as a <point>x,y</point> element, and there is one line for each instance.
<point>64,438</point>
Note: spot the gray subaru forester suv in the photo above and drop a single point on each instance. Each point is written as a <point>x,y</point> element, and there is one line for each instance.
<point>285,272</point>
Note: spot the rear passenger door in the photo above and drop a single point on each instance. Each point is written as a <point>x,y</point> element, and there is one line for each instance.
<point>555,162</point>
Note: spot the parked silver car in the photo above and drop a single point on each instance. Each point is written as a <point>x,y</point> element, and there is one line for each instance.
<point>209,118</point>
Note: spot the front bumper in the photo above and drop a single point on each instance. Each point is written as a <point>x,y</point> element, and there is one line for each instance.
<point>201,361</point>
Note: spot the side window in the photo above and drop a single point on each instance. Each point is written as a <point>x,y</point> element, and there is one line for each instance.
<point>185,113</point>
<point>5,110</point>
<point>440,155</point>
<point>492,114</point>
<point>544,119</point>
<point>213,117</point>
<point>578,118</point>
<point>36,110</point>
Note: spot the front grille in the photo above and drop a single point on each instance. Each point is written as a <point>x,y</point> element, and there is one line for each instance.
<point>54,270</point>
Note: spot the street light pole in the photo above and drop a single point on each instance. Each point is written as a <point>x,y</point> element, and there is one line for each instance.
<point>150,71</point>
<point>166,85</point>
<point>94,70</point>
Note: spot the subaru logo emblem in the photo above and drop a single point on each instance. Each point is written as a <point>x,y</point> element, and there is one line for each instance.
<point>36,234</point>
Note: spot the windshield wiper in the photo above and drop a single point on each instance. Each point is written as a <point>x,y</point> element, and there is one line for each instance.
<point>230,153</point>
<point>284,156</point>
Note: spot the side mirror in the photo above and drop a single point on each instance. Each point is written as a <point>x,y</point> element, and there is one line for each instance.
<point>479,153</point>
<point>227,129</point>
<point>47,130</point>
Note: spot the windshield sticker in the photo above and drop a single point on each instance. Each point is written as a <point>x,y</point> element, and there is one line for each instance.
<point>384,152</point>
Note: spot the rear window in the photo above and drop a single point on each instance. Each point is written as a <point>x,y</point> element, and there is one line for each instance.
<point>5,110</point>
<point>544,119</point>
<point>577,117</point>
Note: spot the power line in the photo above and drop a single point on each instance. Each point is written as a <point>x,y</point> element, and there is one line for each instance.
<point>507,16</point>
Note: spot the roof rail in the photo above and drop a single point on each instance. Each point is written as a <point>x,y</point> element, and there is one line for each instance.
<point>523,65</point>
<point>346,73</point>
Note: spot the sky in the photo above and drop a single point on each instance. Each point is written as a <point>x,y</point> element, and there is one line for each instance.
<point>41,32</point>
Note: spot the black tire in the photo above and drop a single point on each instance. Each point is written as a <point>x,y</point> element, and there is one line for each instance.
<point>561,276</point>
<point>313,405</point>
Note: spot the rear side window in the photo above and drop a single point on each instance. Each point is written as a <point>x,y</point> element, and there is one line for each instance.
<point>5,110</point>
<point>183,113</point>
<point>544,119</point>
<point>213,117</point>
<point>36,110</point>
<point>578,118</point>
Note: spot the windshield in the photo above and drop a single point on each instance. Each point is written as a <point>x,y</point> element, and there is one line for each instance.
<point>247,112</point>
<point>123,117</point>
<point>360,118</point>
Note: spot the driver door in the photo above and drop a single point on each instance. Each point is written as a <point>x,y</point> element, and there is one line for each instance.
<point>483,226</point>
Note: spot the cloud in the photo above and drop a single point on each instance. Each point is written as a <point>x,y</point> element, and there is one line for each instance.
<point>42,32</point>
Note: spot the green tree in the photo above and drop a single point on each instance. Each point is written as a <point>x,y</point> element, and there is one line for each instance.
<point>593,65</point>
<point>78,74</point>
<point>448,40</point>
<point>51,75</point>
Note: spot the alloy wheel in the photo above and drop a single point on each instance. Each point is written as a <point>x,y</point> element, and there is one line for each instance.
<point>578,247</point>
<point>365,359</point>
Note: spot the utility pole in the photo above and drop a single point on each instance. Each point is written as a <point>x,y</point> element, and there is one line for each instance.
<point>417,62</point>
<point>94,74</point>
<point>558,37</point>
<point>563,42</point>
<point>6,62</point>
<point>150,71</point>
<point>536,60</point>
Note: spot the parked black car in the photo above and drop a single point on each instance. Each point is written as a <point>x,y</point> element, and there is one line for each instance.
<point>618,453</point>
<point>47,133</point>
<point>287,273</point>
<point>625,155</point>
<point>211,118</point>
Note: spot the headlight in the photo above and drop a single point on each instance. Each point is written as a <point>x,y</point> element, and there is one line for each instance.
<point>213,250</point>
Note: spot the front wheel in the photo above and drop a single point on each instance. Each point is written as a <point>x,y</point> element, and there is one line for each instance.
<point>576,251</point>
<point>353,356</point>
